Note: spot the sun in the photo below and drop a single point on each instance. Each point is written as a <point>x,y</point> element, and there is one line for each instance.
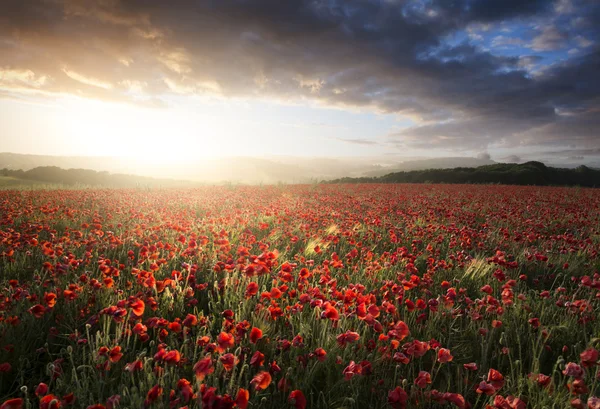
<point>151,136</point>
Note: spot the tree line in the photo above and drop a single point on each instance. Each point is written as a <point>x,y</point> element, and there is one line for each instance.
<point>87,177</point>
<point>529,173</point>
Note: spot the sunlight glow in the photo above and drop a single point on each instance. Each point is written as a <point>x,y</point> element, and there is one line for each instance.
<point>149,136</point>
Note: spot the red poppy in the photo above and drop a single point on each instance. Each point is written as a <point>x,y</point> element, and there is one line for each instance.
<point>251,289</point>
<point>137,307</point>
<point>255,335</point>
<point>228,361</point>
<point>172,357</point>
<point>297,399</point>
<point>589,357</point>
<point>225,341</point>
<point>261,381</point>
<point>115,354</point>
<point>50,299</point>
<point>423,379</point>
<point>16,403</point>
<point>243,396</point>
<point>41,390</point>
<point>444,355</point>
<point>471,366</point>
<point>321,354</point>
<point>153,394</point>
<point>37,310</point>
<point>495,378</point>
<point>347,337</point>
<point>50,402</point>
<point>397,398</point>
<point>203,368</point>
<point>134,366</point>
<point>258,359</point>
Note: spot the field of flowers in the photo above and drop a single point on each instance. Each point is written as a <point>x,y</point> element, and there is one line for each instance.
<point>323,296</point>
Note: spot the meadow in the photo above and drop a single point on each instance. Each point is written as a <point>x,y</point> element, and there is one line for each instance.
<point>301,296</point>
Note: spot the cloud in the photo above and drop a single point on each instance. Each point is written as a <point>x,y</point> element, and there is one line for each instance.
<point>367,142</point>
<point>87,80</point>
<point>502,41</point>
<point>484,155</point>
<point>511,159</point>
<point>550,38</point>
<point>385,56</point>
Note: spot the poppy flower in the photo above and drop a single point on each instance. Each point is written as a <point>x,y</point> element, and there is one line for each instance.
<point>242,398</point>
<point>203,367</point>
<point>574,370</point>
<point>400,331</point>
<point>261,381</point>
<point>423,379</point>
<point>37,310</point>
<point>329,312</point>
<point>16,403</point>
<point>471,366</point>
<point>578,387</point>
<point>113,401</point>
<point>50,402</point>
<point>115,354</point>
<point>137,307</point>
<point>593,402</point>
<point>251,289</point>
<point>589,357</point>
<point>444,355</point>
<point>190,321</point>
<point>321,354</point>
<point>228,361</point>
<point>257,359</point>
<point>495,378</point>
<point>397,398</point>
<point>134,366</point>
<point>153,394</point>
<point>224,341</point>
<point>297,399</point>
<point>486,388</point>
<point>255,335</point>
<point>50,299</point>
<point>41,390</point>
<point>186,390</point>
<point>347,337</point>
<point>351,370</point>
<point>172,357</point>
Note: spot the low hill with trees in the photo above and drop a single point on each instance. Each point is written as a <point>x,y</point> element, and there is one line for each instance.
<point>84,177</point>
<point>529,173</point>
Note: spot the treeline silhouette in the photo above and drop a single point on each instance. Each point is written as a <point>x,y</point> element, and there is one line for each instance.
<point>86,177</point>
<point>529,173</point>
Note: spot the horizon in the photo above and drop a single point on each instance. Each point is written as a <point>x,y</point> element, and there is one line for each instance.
<point>385,81</point>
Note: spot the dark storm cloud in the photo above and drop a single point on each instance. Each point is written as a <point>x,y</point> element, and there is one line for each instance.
<point>385,55</point>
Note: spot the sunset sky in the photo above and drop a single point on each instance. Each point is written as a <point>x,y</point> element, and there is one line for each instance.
<point>180,79</point>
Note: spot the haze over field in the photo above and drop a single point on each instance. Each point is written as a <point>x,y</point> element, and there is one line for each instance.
<point>318,88</point>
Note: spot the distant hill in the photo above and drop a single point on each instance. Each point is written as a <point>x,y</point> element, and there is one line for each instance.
<point>529,173</point>
<point>55,176</point>
<point>274,169</point>
<point>436,163</point>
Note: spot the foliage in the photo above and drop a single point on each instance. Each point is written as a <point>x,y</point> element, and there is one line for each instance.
<point>529,173</point>
<point>316,296</point>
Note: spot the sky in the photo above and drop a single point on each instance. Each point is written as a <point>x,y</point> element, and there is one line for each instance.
<point>167,81</point>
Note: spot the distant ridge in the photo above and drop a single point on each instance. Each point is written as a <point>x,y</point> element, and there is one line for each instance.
<point>529,173</point>
<point>85,177</point>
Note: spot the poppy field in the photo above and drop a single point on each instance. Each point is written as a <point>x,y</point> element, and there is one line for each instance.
<point>303,296</point>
